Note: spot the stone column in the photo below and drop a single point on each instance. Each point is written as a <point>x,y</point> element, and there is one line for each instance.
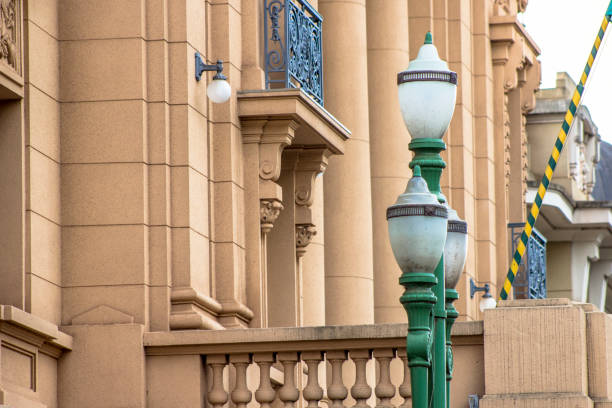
<point>387,55</point>
<point>507,54</point>
<point>348,203</point>
<point>264,141</point>
<point>308,224</point>
<point>598,282</point>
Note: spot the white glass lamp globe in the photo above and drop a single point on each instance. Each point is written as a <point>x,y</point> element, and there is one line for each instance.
<point>417,227</point>
<point>455,249</point>
<point>427,92</point>
<point>219,90</point>
<point>487,302</point>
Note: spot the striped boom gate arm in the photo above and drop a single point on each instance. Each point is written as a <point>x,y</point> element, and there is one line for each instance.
<point>554,157</point>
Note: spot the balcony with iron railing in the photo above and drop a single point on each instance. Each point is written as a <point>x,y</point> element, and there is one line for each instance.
<point>530,281</point>
<point>293,47</point>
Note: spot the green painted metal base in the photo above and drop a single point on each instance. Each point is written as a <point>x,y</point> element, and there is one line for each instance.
<point>427,156</point>
<point>451,316</point>
<point>418,301</point>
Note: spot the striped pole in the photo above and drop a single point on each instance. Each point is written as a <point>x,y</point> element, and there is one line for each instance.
<point>554,157</point>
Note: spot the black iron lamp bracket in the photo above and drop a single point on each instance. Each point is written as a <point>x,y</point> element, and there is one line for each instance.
<point>473,289</point>
<point>200,67</point>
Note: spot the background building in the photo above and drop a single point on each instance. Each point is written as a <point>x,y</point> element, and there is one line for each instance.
<point>577,227</point>
<point>140,221</point>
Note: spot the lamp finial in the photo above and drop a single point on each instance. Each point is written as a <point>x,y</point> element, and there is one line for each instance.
<point>416,172</point>
<point>428,38</point>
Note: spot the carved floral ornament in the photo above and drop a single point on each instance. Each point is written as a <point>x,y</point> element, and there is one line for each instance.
<point>8,32</point>
<point>269,210</point>
<point>521,5</point>
<point>303,236</point>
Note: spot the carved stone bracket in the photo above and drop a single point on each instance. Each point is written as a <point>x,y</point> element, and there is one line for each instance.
<point>9,33</point>
<point>303,236</point>
<point>310,163</point>
<point>269,211</point>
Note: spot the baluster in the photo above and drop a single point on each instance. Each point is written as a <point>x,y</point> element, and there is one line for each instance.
<point>265,393</point>
<point>337,392</point>
<point>241,394</point>
<point>361,391</point>
<point>288,393</point>
<point>217,396</point>
<point>405,390</point>
<point>313,391</point>
<point>384,390</point>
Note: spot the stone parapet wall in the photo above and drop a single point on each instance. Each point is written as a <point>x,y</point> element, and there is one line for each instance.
<point>547,353</point>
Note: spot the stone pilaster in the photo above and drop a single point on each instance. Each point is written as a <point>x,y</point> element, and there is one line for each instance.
<point>348,260</point>
<point>389,154</point>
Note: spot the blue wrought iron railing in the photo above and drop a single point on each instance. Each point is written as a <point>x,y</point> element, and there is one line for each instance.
<point>293,47</point>
<point>530,281</point>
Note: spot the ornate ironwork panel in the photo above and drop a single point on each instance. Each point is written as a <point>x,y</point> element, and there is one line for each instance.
<point>530,281</point>
<point>293,47</point>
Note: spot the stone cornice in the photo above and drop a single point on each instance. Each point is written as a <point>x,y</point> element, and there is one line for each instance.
<point>34,330</point>
<point>515,49</point>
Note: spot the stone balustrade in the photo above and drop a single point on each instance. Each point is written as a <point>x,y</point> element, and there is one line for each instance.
<point>335,366</point>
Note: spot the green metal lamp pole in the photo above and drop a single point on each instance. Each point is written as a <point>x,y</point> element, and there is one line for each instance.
<point>427,156</point>
<point>428,238</point>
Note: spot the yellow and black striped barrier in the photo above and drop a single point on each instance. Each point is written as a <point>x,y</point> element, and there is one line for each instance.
<point>554,157</point>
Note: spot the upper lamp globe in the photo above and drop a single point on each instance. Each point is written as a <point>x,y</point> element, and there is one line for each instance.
<point>427,93</point>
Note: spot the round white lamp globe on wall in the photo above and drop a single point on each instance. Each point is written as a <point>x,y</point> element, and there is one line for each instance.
<point>219,90</point>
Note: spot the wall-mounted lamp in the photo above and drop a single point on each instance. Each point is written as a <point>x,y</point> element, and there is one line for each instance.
<point>487,301</point>
<point>218,90</point>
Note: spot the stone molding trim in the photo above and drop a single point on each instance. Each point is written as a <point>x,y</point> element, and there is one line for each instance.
<point>34,330</point>
<point>193,310</point>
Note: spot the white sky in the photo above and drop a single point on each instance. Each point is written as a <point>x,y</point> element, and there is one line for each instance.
<point>565,31</point>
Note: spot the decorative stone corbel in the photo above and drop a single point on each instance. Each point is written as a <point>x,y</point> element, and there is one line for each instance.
<point>529,84</point>
<point>310,163</point>
<point>10,31</point>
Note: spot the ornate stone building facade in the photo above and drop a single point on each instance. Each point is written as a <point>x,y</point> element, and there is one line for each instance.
<point>140,221</point>
<point>577,226</point>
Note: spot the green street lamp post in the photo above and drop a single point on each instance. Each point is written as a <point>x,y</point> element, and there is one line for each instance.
<point>427,236</point>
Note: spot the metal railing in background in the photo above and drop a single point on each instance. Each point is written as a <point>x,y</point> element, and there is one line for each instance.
<point>530,281</point>
<point>293,47</point>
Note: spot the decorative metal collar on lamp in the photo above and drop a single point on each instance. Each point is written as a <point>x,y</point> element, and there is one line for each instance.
<point>218,90</point>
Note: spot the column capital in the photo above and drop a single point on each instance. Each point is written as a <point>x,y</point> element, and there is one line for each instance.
<point>303,236</point>
<point>269,210</point>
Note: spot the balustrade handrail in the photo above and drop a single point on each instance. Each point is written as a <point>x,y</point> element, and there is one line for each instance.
<point>294,356</point>
<point>289,338</point>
